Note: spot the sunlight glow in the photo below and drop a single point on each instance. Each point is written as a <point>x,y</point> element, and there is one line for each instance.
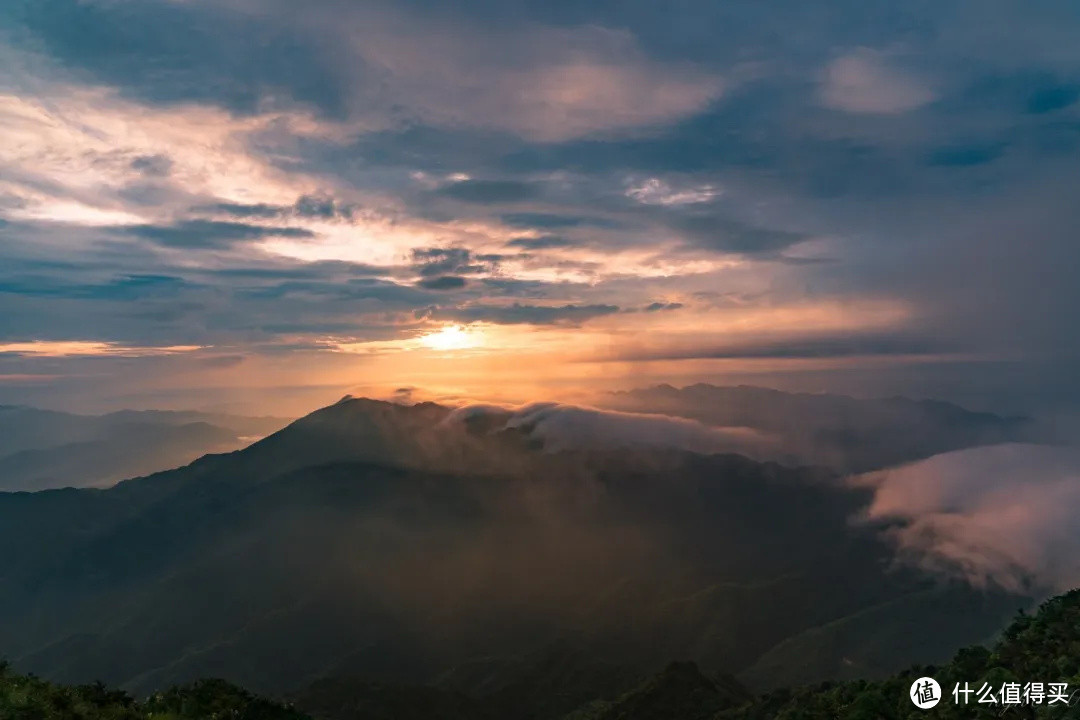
<point>451,337</point>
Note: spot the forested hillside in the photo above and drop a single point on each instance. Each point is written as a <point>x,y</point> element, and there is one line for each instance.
<point>1042,648</point>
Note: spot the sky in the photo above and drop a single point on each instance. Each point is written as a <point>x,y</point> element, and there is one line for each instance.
<point>259,205</point>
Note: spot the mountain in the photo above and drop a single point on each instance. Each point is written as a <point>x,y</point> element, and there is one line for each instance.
<point>1044,645</point>
<point>841,432</point>
<point>42,449</point>
<point>402,544</point>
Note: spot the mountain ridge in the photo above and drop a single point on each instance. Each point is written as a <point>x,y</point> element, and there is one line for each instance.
<point>377,539</point>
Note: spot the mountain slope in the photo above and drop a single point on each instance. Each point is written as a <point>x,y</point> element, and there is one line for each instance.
<point>378,541</point>
<point>680,691</point>
<point>1044,645</point>
<point>23,697</point>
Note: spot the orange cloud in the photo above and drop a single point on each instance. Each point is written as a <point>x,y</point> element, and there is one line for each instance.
<point>89,348</point>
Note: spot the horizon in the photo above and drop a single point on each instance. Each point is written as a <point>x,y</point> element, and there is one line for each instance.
<point>409,396</point>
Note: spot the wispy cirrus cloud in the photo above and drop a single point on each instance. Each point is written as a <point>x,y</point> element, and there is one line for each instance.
<point>88,348</point>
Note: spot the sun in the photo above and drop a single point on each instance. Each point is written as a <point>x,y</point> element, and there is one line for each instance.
<point>451,337</point>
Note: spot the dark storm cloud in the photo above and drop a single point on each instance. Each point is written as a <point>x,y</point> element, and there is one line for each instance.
<point>541,242</point>
<point>518,314</point>
<point>351,290</point>
<point>490,192</point>
<point>836,346</point>
<point>527,220</point>
<point>444,282</point>
<point>430,262</point>
<point>240,210</point>
<point>173,53</point>
<point>320,207</point>
<point>152,165</point>
<point>131,287</point>
<point>1031,91</point>
<point>526,288</point>
<point>211,234</point>
<point>966,155</point>
<point>714,231</point>
<point>1052,98</point>
<point>324,270</point>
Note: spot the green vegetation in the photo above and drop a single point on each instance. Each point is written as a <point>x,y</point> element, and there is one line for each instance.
<point>1044,647</point>
<point>30,698</point>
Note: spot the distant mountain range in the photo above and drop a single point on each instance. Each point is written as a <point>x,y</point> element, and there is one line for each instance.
<point>424,544</point>
<point>45,449</point>
<point>845,433</point>
<point>42,449</point>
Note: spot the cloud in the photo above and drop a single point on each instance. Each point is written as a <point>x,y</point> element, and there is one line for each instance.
<point>851,343</point>
<point>244,210</point>
<point>524,314</point>
<point>568,427</point>
<point>176,53</point>
<point>444,282</point>
<point>552,221</point>
<point>373,65</point>
<point>379,128</point>
<point>541,242</point>
<point>88,348</point>
<point>1052,97</point>
<point>716,231</point>
<point>490,191</point>
<point>581,80</point>
<point>863,82</point>
<point>457,260</point>
<point>655,191</point>
<point>966,155</point>
<point>153,165</point>
<point>211,234</point>
<point>1004,514</point>
<point>318,207</point>
<point>88,156</point>
<point>128,287</point>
